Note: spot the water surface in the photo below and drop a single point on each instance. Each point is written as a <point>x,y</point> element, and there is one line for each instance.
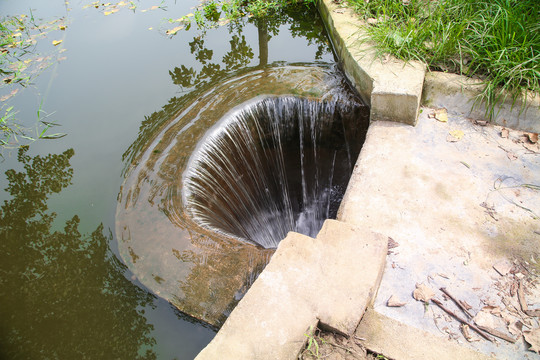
<point>64,291</point>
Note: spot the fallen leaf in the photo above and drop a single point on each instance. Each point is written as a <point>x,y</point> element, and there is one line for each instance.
<point>394,301</point>
<point>533,137</point>
<point>533,338</point>
<point>503,266</point>
<point>440,115</point>
<point>485,318</point>
<point>495,310</point>
<point>505,133</point>
<point>465,304</point>
<point>423,293</point>
<point>454,135</point>
<point>532,147</point>
<point>515,328</point>
<point>511,156</point>
<point>174,30</point>
<point>57,42</point>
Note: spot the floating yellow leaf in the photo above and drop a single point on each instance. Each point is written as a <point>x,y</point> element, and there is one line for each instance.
<point>57,42</point>
<point>17,34</point>
<point>62,27</point>
<point>174,30</point>
<point>189,15</point>
<point>150,28</point>
<point>121,3</point>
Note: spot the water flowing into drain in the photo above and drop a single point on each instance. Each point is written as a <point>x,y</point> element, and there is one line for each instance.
<point>276,165</point>
<point>244,167</point>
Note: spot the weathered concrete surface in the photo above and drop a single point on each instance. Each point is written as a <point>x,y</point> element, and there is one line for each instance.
<point>392,88</point>
<point>459,93</point>
<point>389,337</point>
<point>456,208</point>
<point>328,281</point>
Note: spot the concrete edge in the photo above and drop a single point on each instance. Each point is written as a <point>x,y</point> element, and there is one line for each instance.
<point>460,94</point>
<point>383,335</point>
<point>392,88</point>
<point>307,281</point>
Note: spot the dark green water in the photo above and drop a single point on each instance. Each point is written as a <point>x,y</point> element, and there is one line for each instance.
<point>63,291</point>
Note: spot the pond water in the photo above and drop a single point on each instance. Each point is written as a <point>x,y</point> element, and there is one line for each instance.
<point>111,84</point>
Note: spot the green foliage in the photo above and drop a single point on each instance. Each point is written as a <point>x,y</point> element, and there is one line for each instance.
<point>312,345</point>
<point>497,41</point>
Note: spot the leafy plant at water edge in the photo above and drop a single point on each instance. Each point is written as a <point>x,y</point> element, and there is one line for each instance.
<point>19,65</point>
<point>496,41</point>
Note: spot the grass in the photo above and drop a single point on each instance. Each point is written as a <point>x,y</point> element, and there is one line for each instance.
<point>497,41</point>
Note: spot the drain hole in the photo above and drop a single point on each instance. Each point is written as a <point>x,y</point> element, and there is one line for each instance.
<point>276,165</point>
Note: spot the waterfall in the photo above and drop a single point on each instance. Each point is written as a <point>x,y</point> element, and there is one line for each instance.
<point>274,165</point>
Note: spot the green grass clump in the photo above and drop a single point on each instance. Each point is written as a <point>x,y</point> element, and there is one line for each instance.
<point>497,41</point>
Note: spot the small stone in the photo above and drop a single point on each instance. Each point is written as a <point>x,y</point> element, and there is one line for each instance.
<point>394,302</point>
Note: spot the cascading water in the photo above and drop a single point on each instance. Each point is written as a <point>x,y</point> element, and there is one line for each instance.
<point>275,165</point>
<point>232,168</point>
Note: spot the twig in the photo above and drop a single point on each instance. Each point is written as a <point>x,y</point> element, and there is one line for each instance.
<point>458,303</point>
<point>497,333</point>
<point>454,315</point>
<point>523,302</point>
<point>521,298</point>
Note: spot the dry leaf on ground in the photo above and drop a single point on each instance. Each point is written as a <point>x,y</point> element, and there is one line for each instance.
<point>511,156</point>
<point>439,114</point>
<point>533,338</point>
<point>454,135</point>
<point>503,266</point>
<point>423,293</point>
<point>533,137</point>
<point>394,302</point>
<point>486,318</point>
<point>532,147</point>
<point>505,133</point>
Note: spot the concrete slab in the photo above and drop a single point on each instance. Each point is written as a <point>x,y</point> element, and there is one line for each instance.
<point>455,207</point>
<point>391,87</point>
<point>327,281</point>
<point>397,341</point>
<point>460,95</point>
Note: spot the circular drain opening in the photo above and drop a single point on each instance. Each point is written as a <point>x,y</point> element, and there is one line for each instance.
<point>275,165</point>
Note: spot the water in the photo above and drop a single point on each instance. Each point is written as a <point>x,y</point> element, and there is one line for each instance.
<point>275,165</point>
<point>64,291</point>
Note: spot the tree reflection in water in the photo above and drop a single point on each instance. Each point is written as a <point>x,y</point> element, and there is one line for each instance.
<point>62,294</point>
